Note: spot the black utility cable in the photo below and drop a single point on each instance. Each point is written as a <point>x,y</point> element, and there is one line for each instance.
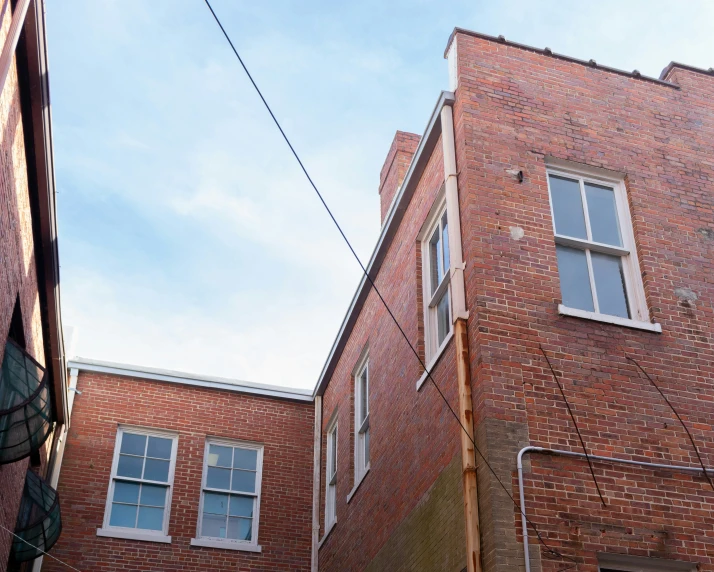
<point>592,471</point>
<point>374,286</point>
<point>701,462</point>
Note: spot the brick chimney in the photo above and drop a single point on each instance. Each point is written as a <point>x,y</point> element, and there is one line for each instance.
<point>395,167</point>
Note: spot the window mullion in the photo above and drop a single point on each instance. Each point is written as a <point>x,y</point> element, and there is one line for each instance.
<point>593,289</point>
<point>586,212</point>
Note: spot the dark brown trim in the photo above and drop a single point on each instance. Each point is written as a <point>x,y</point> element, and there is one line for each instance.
<point>549,53</point>
<point>666,71</point>
<point>31,57</point>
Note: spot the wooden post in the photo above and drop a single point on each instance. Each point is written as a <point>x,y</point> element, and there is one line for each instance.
<point>468,455</point>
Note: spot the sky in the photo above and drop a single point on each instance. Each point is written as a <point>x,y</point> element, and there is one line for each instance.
<point>189,239</point>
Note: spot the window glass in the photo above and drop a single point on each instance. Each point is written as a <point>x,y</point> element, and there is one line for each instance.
<point>610,285</point>
<point>567,207</point>
<point>602,211</point>
<point>443,320</point>
<point>229,515</point>
<point>574,278</point>
<point>445,240</point>
<point>135,503</point>
<point>436,268</point>
<point>363,396</point>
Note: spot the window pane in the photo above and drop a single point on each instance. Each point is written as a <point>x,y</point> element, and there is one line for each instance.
<point>243,481</point>
<point>366,447</point>
<point>150,518</point>
<point>442,317</point>
<point>445,240</point>
<point>130,466</point>
<point>610,285</point>
<point>241,506</point>
<point>215,503</point>
<point>156,470</point>
<point>333,452</point>
<point>436,270</point>
<point>132,444</point>
<point>214,526</point>
<point>363,396</point>
<point>218,478</point>
<point>603,214</point>
<point>126,492</point>
<point>159,448</point>
<point>240,528</point>
<point>574,278</point>
<point>245,459</point>
<point>567,207</point>
<point>219,456</point>
<point>152,495</point>
<point>123,515</point>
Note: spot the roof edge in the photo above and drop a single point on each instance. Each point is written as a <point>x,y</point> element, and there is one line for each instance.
<point>671,65</point>
<point>393,219</point>
<point>549,53</point>
<point>184,378</point>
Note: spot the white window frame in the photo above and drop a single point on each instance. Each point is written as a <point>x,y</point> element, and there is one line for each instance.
<point>634,288</point>
<point>330,477</point>
<point>431,334</point>
<point>139,533</point>
<point>361,427</point>
<point>231,543</point>
<point>624,563</point>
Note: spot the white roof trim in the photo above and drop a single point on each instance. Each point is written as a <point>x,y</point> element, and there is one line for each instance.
<point>389,228</point>
<point>206,381</point>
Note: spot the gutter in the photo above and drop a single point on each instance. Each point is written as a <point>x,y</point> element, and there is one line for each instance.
<point>600,458</point>
<point>33,77</point>
<point>178,377</point>
<point>389,229</point>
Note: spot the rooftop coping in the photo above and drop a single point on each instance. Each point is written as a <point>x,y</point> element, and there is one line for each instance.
<point>549,53</point>
<point>184,378</point>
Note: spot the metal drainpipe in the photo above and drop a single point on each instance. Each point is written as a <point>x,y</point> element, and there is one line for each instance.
<point>316,472</point>
<point>543,450</point>
<point>461,343</point>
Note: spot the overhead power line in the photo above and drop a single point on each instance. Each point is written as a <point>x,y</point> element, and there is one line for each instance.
<point>575,423</point>
<point>551,551</point>
<point>40,549</point>
<point>691,439</point>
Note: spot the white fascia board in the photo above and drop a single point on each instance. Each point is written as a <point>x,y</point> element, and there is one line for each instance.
<point>210,382</point>
<point>389,228</point>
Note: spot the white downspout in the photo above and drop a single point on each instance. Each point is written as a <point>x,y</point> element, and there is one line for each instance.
<point>61,444</point>
<point>533,449</point>
<point>316,471</point>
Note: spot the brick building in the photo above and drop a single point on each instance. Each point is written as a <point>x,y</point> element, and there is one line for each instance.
<point>33,395</point>
<point>553,203</point>
<point>165,471</point>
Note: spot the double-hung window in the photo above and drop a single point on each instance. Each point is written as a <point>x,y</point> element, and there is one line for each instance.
<point>230,496</point>
<point>331,476</point>
<point>361,419</point>
<point>437,290</point>
<point>597,262</point>
<point>140,486</point>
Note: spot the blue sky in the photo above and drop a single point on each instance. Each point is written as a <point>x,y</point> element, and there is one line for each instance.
<point>189,239</point>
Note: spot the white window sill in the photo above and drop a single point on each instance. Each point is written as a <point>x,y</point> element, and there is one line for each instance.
<point>327,533</point>
<point>226,544</point>
<point>133,535</point>
<point>434,360</point>
<point>616,320</point>
<point>357,484</point>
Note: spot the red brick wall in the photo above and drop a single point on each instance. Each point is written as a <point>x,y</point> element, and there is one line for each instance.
<point>285,428</point>
<point>413,436</point>
<point>17,271</point>
<point>515,107</point>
